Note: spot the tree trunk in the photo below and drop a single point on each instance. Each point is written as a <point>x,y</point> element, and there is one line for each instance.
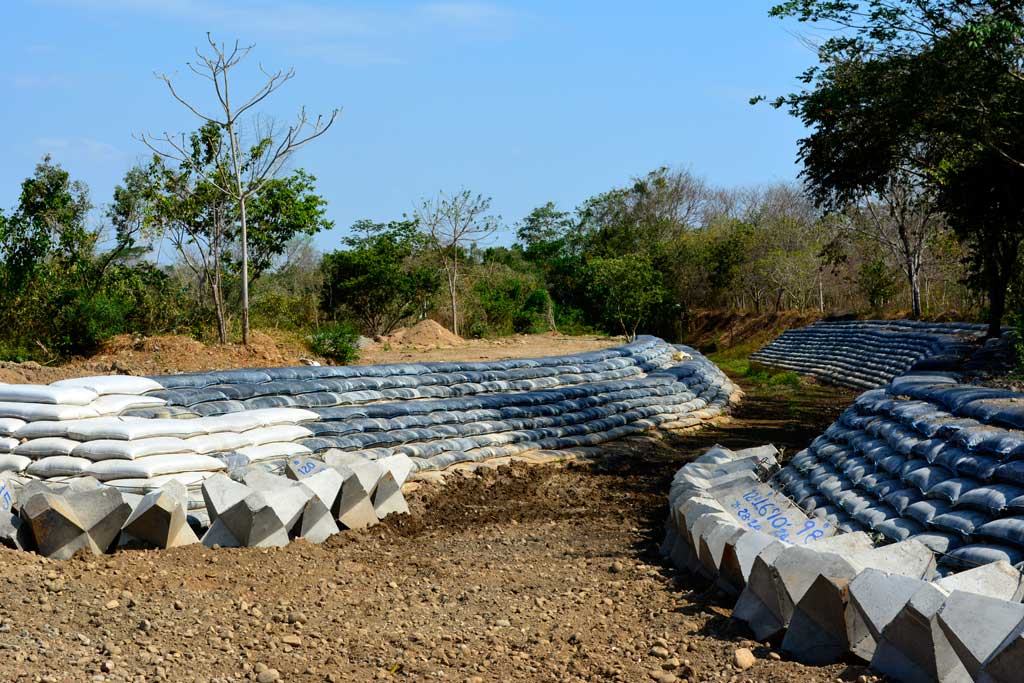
<point>453,279</point>
<point>245,275</point>
<point>913,270</point>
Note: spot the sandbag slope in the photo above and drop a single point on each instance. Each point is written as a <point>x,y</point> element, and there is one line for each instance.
<point>925,458</point>
<point>866,354</point>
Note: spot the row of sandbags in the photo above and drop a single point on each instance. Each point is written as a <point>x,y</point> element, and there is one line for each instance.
<point>320,387</point>
<point>828,598</point>
<point>253,509</point>
<point>926,458</point>
<point>663,386</point>
<point>868,354</point>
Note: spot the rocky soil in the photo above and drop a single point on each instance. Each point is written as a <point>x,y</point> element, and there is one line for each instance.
<point>518,573</point>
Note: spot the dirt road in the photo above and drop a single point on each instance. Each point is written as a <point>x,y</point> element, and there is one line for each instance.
<point>522,574</point>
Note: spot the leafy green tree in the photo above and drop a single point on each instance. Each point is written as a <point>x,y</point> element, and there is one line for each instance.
<point>382,278</point>
<point>930,89</point>
<point>185,203</point>
<point>628,288</point>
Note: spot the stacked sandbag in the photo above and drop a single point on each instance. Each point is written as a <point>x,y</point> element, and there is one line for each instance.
<point>139,435</point>
<point>314,387</point>
<point>827,597</point>
<point>926,458</point>
<point>865,354</point>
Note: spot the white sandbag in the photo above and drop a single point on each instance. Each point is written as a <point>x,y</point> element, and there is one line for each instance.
<point>153,466</point>
<point>111,384</point>
<point>233,422</point>
<point>106,449</point>
<point>9,425</point>
<point>130,428</point>
<point>190,480</point>
<point>278,416</point>
<point>39,393</point>
<point>44,428</point>
<point>8,444</point>
<point>32,412</point>
<point>58,466</point>
<point>218,443</point>
<point>10,462</point>
<point>271,451</point>
<point>276,434</point>
<point>115,404</point>
<point>46,447</point>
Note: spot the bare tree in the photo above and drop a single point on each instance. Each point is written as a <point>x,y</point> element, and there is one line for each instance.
<point>453,223</point>
<point>250,170</point>
<point>902,218</point>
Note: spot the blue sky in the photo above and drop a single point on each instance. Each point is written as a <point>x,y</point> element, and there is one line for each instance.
<point>526,102</point>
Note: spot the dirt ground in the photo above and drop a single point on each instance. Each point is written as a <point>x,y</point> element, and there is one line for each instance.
<point>522,573</point>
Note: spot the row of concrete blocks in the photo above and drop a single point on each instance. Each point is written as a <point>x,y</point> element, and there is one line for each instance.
<point>257,509</point>
<point>843,596</point>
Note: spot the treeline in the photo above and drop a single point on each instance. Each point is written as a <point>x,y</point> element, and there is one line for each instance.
<point>163,256</point>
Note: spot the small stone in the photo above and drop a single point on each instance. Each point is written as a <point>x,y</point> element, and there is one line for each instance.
<point>292,640</point>
<point>774,656</point>
<point>113,604</point>
<point>743,658</point>
<point>107,666</point>
<point>616,567</point>
<point>503,623</point>
<point>671,663</point>
<point>659,652</point>
<point>268,676</point>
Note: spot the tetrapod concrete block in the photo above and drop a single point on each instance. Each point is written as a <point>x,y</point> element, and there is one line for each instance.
<point>354,509</point>
<point>160,518</point>
<point>976,626</point>
<point>817,629</point>
<point>318,523</point>
<point>774,589</point>
<point>712,544</point>
<point>738,557</point>
<point>301,467</point>
<point>914,647</point>
<point>63,523</point>
<point>876,597</point>
<point>1007,663</point>
<point>388,498</point>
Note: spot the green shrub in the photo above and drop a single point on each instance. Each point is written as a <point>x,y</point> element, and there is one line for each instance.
<point>337,342</point>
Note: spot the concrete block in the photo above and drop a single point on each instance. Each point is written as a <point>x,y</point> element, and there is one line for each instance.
<point>774,589</point>
<point>738,557</point>
<point>354,509</point>
<point>1007,662</point>
<point>712,544</point>
<point>63,523</point>
<point>995,580</point>
<point>875,598</point>
<point>912,646</point>
<point>301,467</point>
<point>817,629</point>
<point>388,498</point>
<point>160,518</point>
<point>976,626</point>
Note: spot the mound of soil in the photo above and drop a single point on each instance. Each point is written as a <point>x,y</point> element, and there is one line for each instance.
<point>427,333</point>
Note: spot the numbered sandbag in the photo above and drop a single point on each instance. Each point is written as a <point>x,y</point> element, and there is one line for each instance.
<point>36,393</point>
<point>104,385</point>
<point>152,466</point>
<point>106,449</point>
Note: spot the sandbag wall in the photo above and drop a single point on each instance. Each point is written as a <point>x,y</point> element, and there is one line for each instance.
<point>865,354</point>
<point>926,458</point>
<point>824,596</point>
<point>137,435</point>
